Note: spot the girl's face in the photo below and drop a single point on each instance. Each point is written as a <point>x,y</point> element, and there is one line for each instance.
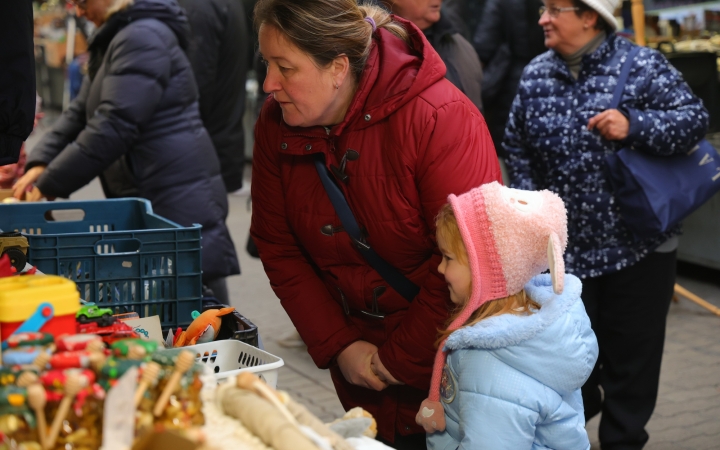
<point>306,93</point>
<point>457,275</point>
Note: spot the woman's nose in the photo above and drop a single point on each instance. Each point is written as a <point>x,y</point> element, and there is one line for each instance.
<point>544,18</point>
<point>271,84</point>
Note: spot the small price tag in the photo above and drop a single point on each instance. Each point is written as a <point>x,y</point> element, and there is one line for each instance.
<point>119,413</point>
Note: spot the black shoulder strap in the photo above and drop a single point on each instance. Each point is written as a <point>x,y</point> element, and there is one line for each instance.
<point>622,79</point>
<point>395,279</point>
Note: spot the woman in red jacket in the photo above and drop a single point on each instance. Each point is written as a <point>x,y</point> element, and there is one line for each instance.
<point>365,92</point>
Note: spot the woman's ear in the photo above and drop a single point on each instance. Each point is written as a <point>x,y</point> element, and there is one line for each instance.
<point>590,19</point>
<point>340,69</point>
<point>556,263</point>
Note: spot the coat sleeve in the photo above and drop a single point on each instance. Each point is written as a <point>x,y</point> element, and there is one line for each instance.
<point>63,131</point>
<point>670,118</point>
<point>455,155</point>
<point>17,79</point>
<point>521,158</point>
<point>139,70</point>
<point>325,330</point>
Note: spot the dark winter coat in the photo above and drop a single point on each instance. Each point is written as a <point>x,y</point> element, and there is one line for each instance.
<point>218,56</point>
<point>419,139</point>
<point>550,147</point>
<point>461,61</point>
<point>139,113</point>
<point>17,78</point>
<point>506,40</point>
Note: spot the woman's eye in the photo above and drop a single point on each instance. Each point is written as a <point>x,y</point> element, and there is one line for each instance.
<point>284,69</point>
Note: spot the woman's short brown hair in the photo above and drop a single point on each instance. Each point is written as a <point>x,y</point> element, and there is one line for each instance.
<point>326,29</point>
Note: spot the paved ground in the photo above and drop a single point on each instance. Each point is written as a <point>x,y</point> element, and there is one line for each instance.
<point>688,410</point>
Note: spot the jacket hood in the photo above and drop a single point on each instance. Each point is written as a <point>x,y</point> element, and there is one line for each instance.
<point>166,11</point>
<point>555,345</point>
<point>395,73</point>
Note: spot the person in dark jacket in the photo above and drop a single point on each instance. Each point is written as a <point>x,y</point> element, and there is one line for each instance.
<point>218,56</point>
<point>461,61</point>
<point>506,40</point>
<point>136,124</point>
<point>559,133</point>
<point>17,78</point>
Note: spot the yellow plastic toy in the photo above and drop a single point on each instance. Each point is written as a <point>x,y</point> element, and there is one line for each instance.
<point>204,327</point>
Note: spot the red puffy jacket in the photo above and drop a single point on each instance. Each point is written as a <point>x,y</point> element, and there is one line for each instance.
<point>419,139</point>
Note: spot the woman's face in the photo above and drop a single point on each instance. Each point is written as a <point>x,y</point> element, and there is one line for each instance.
<point>564,31</point>
<point>457,275</point>
<point>423,13</point>
<point>306,93</point>
<point>94,10</point>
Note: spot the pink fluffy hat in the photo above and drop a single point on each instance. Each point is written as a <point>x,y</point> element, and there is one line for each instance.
<point>510,236</point>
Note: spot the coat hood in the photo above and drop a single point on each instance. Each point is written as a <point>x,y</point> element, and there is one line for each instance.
<point>166,11</point>
<point>544,345</point>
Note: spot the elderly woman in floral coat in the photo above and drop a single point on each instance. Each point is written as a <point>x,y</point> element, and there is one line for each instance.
<point>559,132</point>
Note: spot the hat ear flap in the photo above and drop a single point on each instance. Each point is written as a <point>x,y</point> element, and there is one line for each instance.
<point>556,263</point>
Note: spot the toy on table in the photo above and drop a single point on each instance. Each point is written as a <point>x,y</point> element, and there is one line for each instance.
<point>23,298</point>
<point>134,348</point>
<point>90,312</point>
<point>15,246</point>
<point>24,348</point>
<point>183,363</point>
<point>74,383</point>
<point>150,373</point>
<point>204,327</point>
<point>37,398</point>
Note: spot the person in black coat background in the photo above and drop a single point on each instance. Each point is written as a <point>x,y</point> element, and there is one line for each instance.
<point>218,55</point>
<point>136,124</point>
<point>506,40</point>
<point>443,31</point>
<point>17,78</point>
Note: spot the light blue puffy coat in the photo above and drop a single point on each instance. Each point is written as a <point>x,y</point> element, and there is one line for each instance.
<point>513,382</point>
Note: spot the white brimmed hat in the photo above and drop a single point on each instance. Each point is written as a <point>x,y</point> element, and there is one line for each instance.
<point>606,8</point>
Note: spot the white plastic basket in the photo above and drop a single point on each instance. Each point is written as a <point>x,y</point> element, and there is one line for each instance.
<point>229,357</point>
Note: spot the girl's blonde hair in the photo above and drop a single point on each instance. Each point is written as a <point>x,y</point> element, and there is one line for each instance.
<point>519,303</point>
<point>326,29</point>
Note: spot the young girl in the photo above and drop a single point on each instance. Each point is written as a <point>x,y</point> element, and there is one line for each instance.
<point>510,365</point>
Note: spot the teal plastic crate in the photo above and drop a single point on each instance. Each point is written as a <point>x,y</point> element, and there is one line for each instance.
<point>119,253</point>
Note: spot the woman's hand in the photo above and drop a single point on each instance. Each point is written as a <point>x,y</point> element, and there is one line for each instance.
<point>382,373</point>
<point>20,188</point>
<point>354,364</point>
<point>611,124</point>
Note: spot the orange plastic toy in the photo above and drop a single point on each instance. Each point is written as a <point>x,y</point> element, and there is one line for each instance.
<point>204,327</point>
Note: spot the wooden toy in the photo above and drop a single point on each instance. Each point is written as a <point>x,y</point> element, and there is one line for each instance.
<point>183,363</point>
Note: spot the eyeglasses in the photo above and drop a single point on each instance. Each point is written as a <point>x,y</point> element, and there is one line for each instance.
<point>554,11</point>
<point>79,3</point>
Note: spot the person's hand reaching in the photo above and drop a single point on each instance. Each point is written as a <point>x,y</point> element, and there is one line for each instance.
<point>25,183</point>
<point>354,363</point>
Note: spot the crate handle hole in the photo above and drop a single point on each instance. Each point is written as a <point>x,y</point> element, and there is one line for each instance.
<point>117,246</point>
<point>65,215</point>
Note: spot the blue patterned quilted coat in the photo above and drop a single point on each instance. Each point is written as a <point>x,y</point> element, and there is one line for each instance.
<point>550,147</point>
<point>512,382</point>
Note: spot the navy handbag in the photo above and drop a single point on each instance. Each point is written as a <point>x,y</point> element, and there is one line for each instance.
<point>654,193</point>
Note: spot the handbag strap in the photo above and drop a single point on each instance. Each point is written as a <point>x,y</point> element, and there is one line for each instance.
<point>394,278</point>
<point>622,79</point>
